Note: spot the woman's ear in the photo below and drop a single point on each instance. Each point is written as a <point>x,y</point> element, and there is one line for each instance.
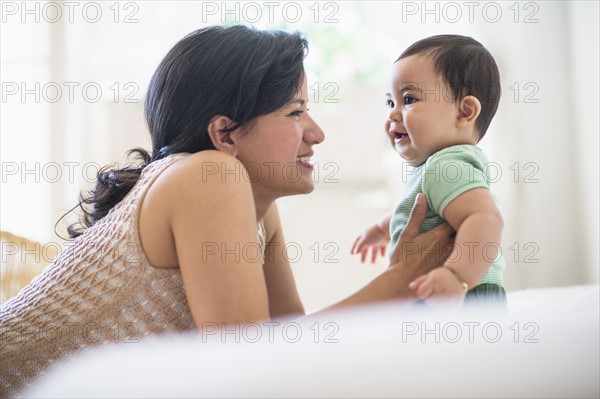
<point>221,139</point>
<point>468,110</point>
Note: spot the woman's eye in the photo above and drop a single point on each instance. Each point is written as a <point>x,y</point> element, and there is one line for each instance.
<point>296,113</point>
<point>409,100</point>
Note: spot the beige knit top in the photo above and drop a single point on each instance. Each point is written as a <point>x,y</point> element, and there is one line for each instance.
<point>101,289</point>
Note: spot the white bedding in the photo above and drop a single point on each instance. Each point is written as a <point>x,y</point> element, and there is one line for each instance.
<point>547,345</point>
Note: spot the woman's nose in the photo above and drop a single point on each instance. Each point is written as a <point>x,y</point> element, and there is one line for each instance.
<point>313,133</point>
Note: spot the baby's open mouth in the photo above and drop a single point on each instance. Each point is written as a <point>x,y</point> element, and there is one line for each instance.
<point>400,136</point>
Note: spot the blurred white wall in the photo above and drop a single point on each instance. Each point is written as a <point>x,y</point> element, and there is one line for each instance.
<point>544,138</point>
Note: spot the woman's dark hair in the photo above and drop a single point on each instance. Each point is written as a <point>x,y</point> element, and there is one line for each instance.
<point>467,67</point>
<point>237,71</point>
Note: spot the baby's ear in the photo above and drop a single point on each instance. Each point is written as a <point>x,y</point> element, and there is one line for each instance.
<point>221,139</point>
<point>469,109</point>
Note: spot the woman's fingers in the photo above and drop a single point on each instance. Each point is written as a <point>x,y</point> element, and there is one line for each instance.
<point>447,230</point>
<point>444,233</point>
<point>417,215</point>
<point>406,247</point>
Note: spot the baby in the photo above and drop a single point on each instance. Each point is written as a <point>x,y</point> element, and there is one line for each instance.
<point>443,94</point>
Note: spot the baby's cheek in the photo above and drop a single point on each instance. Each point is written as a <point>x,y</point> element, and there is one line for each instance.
<point>386,125</point>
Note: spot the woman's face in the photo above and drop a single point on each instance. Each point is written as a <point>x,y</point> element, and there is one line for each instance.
<point>276,149</point>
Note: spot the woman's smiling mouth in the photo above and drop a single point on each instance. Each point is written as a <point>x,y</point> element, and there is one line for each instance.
<point>305,161</point>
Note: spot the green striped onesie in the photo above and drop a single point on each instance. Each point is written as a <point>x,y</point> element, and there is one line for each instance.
<point>444,176</point>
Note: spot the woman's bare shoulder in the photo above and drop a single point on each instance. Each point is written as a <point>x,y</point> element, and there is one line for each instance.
<point>204,164</point>
<point>192,188</point>
<point>211,179</point>
<point>210,167</point>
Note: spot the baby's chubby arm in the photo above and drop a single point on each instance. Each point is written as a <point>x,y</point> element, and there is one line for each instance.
<point>478,223</point>
<point>375,237</point>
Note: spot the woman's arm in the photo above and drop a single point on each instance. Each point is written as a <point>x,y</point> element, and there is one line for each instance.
<point>415,255</point>
<point>213,219</point>
<point>281,286</point>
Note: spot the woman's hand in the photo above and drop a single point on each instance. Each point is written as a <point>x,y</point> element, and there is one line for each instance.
<point>416,254</point>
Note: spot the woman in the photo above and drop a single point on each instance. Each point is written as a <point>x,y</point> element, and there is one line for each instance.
<point>193,235</point>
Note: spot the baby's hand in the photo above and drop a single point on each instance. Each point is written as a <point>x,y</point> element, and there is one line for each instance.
<point>440,288</point>
<point>373,239</point>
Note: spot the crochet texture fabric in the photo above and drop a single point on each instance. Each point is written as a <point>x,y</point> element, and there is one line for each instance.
<point>101,289</point>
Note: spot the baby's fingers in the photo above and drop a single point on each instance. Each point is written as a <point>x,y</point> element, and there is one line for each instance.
<point>426,289</point>
<point>363,255</point>
<point>374,253</point>
<point>416,283</point>
<point>356,245</point>
<point>377,251</point>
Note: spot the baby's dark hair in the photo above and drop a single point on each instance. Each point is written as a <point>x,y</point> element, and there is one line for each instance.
<point>467,67</point>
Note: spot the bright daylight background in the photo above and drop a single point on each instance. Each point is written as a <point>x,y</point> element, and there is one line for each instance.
<point>92,61</point>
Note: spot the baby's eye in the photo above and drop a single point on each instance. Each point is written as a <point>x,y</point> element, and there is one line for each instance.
<point>389,103</point>
<point>409,100</point>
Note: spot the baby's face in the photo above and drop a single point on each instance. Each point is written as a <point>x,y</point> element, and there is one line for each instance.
<point>422,114</point>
